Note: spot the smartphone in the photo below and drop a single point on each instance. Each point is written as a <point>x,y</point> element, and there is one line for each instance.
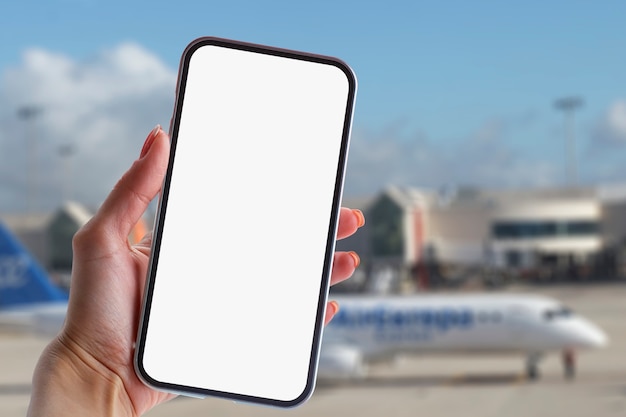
<point>244,235</point>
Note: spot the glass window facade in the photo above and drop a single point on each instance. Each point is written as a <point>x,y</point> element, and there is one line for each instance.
<point>544,229</point>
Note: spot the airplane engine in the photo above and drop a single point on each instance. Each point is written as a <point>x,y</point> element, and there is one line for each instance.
<point>341,362</point>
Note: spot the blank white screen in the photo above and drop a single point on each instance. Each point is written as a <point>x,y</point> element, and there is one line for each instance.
<point>248,214</point>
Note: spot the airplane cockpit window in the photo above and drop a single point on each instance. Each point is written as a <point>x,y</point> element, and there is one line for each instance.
<point>556,313</point>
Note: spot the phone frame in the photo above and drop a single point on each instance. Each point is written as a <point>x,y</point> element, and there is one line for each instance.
<point>162,208</point>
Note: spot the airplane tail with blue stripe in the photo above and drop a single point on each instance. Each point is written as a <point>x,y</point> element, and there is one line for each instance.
<point>22,280</point>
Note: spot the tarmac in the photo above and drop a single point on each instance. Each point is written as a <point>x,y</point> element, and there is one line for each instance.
<point>424,385</point>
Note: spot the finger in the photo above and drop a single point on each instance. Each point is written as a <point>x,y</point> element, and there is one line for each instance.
<point>332,307</point>
<point>131,195</point>
<point>349,221</point>
<point>344,265</point>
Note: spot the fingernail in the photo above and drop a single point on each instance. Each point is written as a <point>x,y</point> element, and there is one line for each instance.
<point>355,258</point>
<point>149,141</point>
<point>335,307</point>
<point>360,218</point>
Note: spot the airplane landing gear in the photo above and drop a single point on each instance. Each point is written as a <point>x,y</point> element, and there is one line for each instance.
<point>569,363</point>
<point>532,366</point>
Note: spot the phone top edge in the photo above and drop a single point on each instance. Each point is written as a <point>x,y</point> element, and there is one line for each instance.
<point>284,52</point>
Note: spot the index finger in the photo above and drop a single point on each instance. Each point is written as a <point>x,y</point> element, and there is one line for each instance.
<point>131,195</point>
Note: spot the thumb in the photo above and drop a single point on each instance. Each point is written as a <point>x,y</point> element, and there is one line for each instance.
<point>131,195</point>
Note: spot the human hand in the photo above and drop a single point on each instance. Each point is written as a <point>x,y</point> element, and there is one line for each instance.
<point>88,368</point>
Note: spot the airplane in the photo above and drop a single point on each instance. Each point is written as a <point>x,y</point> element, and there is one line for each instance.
<point>369,328</point>
<point>29,301</point>
<point>364,329</point>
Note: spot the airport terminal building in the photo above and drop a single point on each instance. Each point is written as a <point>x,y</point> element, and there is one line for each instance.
<point>427,237</point>
<point>418,238</point>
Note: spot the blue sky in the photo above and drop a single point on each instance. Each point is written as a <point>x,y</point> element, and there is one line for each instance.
<point>444,81</point>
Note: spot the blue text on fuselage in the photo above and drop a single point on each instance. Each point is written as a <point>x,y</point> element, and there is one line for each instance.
<point>441,319</point>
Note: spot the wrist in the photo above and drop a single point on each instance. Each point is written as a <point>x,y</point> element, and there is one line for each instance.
<point>69,381</point>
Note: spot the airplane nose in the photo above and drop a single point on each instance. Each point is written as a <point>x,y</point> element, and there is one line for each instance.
<point>597,339</point>
<point>591,336</point>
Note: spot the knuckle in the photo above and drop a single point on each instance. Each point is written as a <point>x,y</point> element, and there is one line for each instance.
<point>91,240</point>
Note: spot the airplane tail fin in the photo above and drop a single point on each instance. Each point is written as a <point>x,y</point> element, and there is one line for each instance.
<point>22,279</point>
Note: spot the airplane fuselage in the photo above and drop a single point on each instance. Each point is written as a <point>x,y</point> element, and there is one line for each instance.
<point>460,323</point>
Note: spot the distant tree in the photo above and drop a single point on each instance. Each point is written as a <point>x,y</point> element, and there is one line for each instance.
<point>385,220</point>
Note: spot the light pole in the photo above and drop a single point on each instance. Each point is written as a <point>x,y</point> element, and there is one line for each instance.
<point>569,105</point>
<point>65,152</point>
<point>29,114</point>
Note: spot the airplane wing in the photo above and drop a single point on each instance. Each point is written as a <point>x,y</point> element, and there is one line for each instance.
<point>42,319</point>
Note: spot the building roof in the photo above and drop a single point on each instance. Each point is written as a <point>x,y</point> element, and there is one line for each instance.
<point>76,212</point>
<point>408,197</point>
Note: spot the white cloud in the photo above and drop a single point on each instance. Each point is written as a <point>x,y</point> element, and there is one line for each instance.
<point>617,118</point>
<point>611,129</point>
<point>378,159</point>
<point>603,158</point>
<point>103,106</point>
